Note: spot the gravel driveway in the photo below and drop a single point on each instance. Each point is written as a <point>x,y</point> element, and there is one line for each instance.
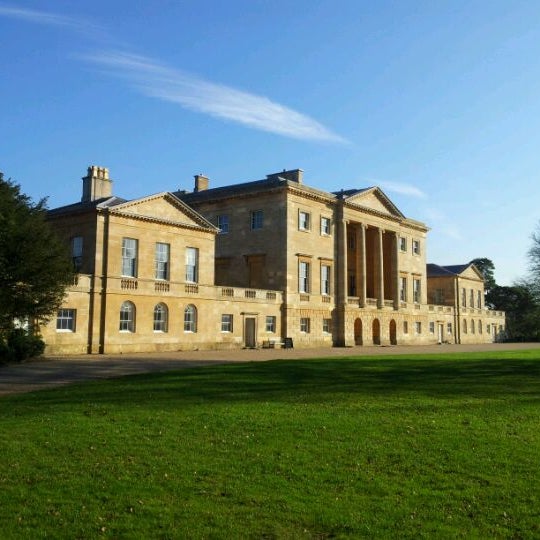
<point>53,371</point>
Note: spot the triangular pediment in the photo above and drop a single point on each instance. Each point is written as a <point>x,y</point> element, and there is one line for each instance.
<point>374,199</point>
<point>165,207</point>
<point>471,272</point>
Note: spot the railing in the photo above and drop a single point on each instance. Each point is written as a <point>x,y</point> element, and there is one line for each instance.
<point>304,298</point>
<point>326,299</point>
<point>371,301</point>
<point>191,288</point>
<point>162,286</point>
<point>250,293</point>
<point>129,284</point>
<point>389,303</point>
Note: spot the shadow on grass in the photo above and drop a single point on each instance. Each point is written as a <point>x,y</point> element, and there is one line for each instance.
<point>308,381</point>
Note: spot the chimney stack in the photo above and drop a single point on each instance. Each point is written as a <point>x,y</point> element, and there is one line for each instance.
<point>201,183</point>
<point>96,184</point>
<point>294,175</point>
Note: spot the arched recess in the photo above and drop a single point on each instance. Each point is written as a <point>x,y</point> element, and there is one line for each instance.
<point>376,332</point>
<point>393,332</point>
<point>358,340</point>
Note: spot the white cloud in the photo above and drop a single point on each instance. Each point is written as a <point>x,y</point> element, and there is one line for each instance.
<point>159,81</point>
<point>50,19</point>
<point>401,188</point>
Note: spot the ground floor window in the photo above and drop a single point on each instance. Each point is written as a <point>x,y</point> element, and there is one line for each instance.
<point>449,328</point>
<point>418,327</point>
<point>270,323</point>
<point>161,315</point>
<point>65,320</point>
<point>327,326</point>
<point>190,319</point>
<point>226,322</point>
<point>304,325</point>
<point>127,317</point>
<point>405,327</point>
<point>431,327</point>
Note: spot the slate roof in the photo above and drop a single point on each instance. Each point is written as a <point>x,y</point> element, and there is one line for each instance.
<point>435,270</point>
<point>104,202</point>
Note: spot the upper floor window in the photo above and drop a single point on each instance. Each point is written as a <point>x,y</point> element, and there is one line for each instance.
<point>304,221</point>
<point>161,318</point>
<point>190,318</point>
<point>325,279</point>
<point>439,296</point>
<point>77,252</point>
<point>192,265</point>
<point>402,243</point>
<point>161,262</point>
<point>416,247</point>
<point>127,317</point>
<point>403,289</point>
<point>223,223</point>
<point>464,297</point>
<point>479,300</point>
<point>325,226</point>
<point>303,277</point>
<point>257,219</point>
<point>65,320</point>
<point>129,257</point>
<point>416,291</point>
<point>472,298</point>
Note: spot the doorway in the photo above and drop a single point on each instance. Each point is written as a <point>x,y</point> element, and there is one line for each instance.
<point>376,332</point>
<point>250,341</point>
<point>393,332</point>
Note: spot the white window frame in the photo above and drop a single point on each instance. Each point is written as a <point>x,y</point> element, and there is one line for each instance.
<point>402,288</point>
<point>418,327</point>
<point>416,247</point>
<point>304,220</point>
<point>66,319</point>
<point>326,226</point>
<point>161,261</point>
<point>128,314</point>
<point>303,276</point>
<point>161,318</point>
<point>192,265</point>
<point>130,248</point>
<point>305,325</point>
<point>270,324</point>
<point>227,322</point>
<point>403,243</point>
<point>431,327</point>
<point>190,319</point>
<point>327,325</point>
<point>417,290</point>
<point>326,274</point>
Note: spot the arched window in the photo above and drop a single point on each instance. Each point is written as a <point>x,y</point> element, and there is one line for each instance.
<point>190,318</point>
<point>127,317</point>
<point>161,318</point>
<point>464,326</point>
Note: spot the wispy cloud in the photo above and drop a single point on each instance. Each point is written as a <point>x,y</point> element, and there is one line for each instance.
<point>443,225</point>
<point>50,19</point>
<point>401,188</point>
<point>163,82</point>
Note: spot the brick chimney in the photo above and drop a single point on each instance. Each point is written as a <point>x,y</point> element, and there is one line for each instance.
<point>96,184</point>
<point>294,175</point>
<point>201,183</point>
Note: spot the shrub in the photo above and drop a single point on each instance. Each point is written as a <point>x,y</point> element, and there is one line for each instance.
<point>20,345</point>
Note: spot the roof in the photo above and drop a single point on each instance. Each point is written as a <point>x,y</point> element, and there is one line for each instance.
<point>104,202</point>
<point>435,270</point>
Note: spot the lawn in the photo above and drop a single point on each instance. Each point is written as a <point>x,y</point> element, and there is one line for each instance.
<point>438,446</point>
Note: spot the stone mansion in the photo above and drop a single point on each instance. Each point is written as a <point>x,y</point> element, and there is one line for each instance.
<point>256,264</point>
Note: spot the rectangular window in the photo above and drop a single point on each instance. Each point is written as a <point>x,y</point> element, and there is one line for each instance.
<point>65,320</point>
<point>327,326</point>
<point>257,220</point>
<point>402,243</point>
<point>403,289</point>
<point>76,252</point>
<point>303,277</point>
<point>405,327</point>
<point>418,327</point>
<point>129,257</point>
<point>304,221</point>
<point>192,265</point>
<point>223,223</point>
<point>439,296</point>
<point>472,298</point>
<point>325,279</point>
<point>416,291</point>
<point>431,327</point>
<point>325,226</point>
<point>416,247</point>
<point>270,324</point>
<point>226,322</point>
<point>161,262</point>
<point>304,325</point>
<point>479,300</point>
<point>464,298</point>
<point>449,328</point>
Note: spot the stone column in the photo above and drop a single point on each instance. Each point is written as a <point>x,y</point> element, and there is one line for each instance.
<point>361,263</point>
<point>395,270</point>
<point>380,269</point>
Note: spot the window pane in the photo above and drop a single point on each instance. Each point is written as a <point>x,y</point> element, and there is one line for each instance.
<point>127,317</point>
<point>162,261</point>
<point>160,318</point>
<point>129,257</point>
<point>192,258</point>
<point>65,320</point>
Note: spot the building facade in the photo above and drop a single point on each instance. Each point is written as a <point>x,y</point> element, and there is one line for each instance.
<point>252,264</point>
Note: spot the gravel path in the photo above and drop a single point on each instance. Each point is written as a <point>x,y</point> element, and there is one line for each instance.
<point>54,371</point>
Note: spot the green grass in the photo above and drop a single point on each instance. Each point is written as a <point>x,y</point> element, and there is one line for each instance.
<point>439,446</point>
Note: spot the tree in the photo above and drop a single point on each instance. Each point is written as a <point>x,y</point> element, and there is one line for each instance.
<point>534,263</point>
<point>487,269</point>
<point>35,266</point>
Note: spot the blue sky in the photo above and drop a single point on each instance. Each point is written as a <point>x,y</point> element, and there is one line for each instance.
<point>436,102</point>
